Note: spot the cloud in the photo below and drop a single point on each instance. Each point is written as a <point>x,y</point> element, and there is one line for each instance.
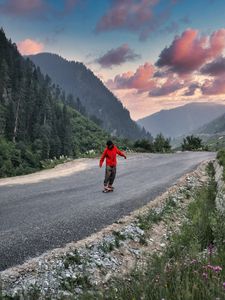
<point>160,74</point>
<point>39,9</point>
<point>214,87</point>
<point>214,68</point>
<point>117,56</point>
<point>190,51</point>
<point>141,80</point>
<point>23,7</point>
<point>192,88</point>
<point>147,79</point>
<point>28,47</point>
<point>135,16</point>
<point>170,86</point>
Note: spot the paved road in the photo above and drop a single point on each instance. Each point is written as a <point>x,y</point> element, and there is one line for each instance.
<point>43,215</point>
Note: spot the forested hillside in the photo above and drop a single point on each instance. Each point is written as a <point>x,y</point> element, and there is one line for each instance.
<point>99,103</point>
<point>36,122</point>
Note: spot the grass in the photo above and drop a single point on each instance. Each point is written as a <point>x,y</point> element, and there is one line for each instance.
<point>191,267</point>
<point>146,221</point>
<point>73,258</point>
<point>221,159</point>
<point>107,247</point>
<point>71,283</point>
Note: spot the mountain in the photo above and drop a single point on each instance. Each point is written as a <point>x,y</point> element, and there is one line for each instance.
<point>36,123</point>
<point>99,103</point>
<point>181,120</point>
<point>216,126</point>
<point>213,133</point>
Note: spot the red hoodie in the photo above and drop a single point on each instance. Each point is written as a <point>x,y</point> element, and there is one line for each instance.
<point>110,155</point>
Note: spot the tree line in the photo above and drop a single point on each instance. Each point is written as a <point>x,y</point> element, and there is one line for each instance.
<point>37,120</point>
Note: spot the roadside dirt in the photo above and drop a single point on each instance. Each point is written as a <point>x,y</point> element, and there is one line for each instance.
<point>61,170</point>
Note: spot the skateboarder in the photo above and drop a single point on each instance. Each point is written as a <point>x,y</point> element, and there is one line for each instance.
<point>110,153</point>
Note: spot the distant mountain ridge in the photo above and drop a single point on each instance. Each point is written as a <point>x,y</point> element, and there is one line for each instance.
<point>182,120</point>
<point>214,127</point>
<point>97,100</point>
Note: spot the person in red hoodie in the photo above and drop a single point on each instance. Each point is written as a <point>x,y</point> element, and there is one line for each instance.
<point>110,153</point>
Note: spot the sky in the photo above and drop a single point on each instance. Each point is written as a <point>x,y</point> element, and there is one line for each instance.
<point>152,54</point>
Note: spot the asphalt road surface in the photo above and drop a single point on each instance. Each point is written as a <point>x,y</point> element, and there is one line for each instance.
<point>38,215</point>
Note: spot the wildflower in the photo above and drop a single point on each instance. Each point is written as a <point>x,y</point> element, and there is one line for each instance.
<point>194,261</point>
<point>210,267</point>
<point>217,269</point>
<point>224,285</point>
<point>210,249</point>
<point>214,268</point>
<point>205,275</point>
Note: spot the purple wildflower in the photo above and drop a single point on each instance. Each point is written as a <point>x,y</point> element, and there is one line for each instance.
<point>194,261</point>
<point>217,269</point>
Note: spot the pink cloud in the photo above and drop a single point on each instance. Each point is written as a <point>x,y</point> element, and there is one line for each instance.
<point>36,8</point>
<point>214,68</point>
<point>169,86</point>
<point>190,51</point>
<point>214,87</point>
<point>134,16</point>
<point>23,7</point>
<point>117,56</point>
<point>141,80</point>
<point>28,47</point>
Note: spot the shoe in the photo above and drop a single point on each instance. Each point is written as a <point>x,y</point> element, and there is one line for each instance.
<point>107,190</point>
<point>111,187</point>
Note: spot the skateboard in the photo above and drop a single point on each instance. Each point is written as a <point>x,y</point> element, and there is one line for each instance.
<point>108,190</point>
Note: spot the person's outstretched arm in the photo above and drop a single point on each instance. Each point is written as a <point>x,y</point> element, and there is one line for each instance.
<point>102,158</point>
<point>120,153</point>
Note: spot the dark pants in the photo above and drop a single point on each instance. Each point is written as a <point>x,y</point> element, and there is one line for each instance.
<point>110,174</point>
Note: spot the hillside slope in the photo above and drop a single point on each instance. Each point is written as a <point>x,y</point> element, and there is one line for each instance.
<point>213,127</point>
<point>182,120</point>
<point>35,122</point>
<point>97,100</point>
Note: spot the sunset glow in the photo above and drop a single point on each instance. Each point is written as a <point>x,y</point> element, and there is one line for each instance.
<point>151,54</point>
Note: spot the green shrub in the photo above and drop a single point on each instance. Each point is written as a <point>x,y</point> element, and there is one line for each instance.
<point>192,143</point>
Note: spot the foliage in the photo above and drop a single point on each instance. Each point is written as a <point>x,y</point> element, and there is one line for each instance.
<point>162,144</point>
<point>192,143</point>
<point>153,216</point>
<point>143,145</point>
<point>221,159</point>
<point>159,144</point>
